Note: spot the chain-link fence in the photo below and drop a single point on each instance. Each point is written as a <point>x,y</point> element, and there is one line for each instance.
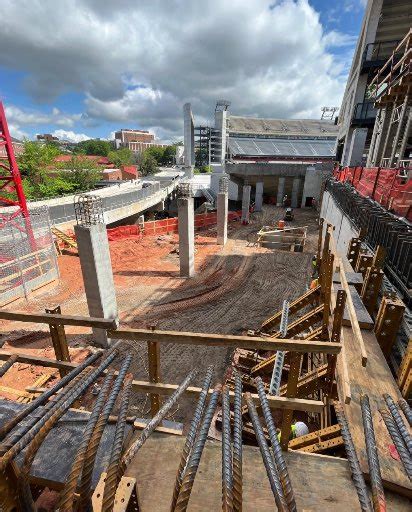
<point>27,255</point>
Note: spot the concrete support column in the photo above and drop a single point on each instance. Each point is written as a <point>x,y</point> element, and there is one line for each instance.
<point>246,204</point>
<point>281,191</point>
<point>93,247</point>
<point>185,208</point>
<point>259,196</point>
<point>295,192</point>
<point>357,147</point>
<point>222,211</point>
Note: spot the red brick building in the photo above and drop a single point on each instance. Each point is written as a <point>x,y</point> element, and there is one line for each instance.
<point>136,140</point>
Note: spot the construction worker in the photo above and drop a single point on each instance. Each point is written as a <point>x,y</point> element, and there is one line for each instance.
<point>285,200</point>
<point>297,429</point>
<point>314,284</point>
<point>314,265</point>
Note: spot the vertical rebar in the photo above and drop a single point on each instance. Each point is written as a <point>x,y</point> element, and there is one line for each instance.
<point>191,435</point>
<point>268,461</point>
<point>357,475</point>
<point>227,476</point>
<point>280,354</point>
<point>407,411</point>
<point>397,441</point>
<point>237,446</point>
<point>112,476</point>
<point>154,422</point>
<point>87,471</point>
<point>195,456</point>
<point>276,449</point>
<point>378,496</point>
<point>393,408</point>
<point>7,427</point>
<point>67,494</point>
<point>68,401</point>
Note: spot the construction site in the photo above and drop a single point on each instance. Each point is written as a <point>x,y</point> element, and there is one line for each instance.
<point>254,353</point>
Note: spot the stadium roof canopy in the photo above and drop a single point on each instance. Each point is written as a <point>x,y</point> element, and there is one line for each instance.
<point>281,127</point>
<point>277,147</point>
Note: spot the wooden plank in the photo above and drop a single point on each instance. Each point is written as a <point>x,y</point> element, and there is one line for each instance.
<point>59,340</point>
<point>153,349</point>
<point>320,483</point>
<point>353,278</point>
<point>353,317</point>
<point>315,437</point>
<point>47,318</point>
<point>322,446</point>
<point>364,319</point>
<point>168,389</point>
<point>223,340</point>
<point>293,377</point>
<point>373,380</point>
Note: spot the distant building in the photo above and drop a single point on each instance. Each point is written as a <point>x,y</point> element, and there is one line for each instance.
<point>136,140</point>
<point>17,146</point>
<point>46,137</point>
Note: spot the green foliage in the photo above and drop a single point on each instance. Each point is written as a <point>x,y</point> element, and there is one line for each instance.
<point>147,164</point>
<point>44,178</point>
<point>121,156</point>
<point>203,169</point>
<point>163,155</point>
<point>94,147</point>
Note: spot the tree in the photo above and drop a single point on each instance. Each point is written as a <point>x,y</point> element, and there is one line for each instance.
<point>94,147</point>
<point>80,173</point>
<point>147,164</point>
<point>121,156</point>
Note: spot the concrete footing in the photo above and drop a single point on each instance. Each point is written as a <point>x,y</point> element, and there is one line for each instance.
<point>96,266</point>
<point>185,207</point>
<point>259,196</point>
<point>246,204</point>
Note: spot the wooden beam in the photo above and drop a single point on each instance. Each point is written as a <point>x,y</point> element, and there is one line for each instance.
<point>59,340</point>
<point>153,351</point>
<point>47,318</point>
<point>167,389</point>
<point>224,340</point>
<point>352,315</point>
<point>292,387</point>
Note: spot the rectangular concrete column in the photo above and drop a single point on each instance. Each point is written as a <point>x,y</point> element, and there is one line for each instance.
<point>295,192</point>
<point>357,147</point>
<point>96,266</point>
<point>259,196</point>
<point>281,191</point>
<point>222,210</point>
<point>246,204</point>
<point>186,216</point>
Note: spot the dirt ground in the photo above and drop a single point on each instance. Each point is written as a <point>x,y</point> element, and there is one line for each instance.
<point>235,289</point>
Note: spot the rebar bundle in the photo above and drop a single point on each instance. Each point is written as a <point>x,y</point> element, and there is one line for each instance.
<point>268,461</point>
<point>276,449</point>
<point>191,435</point>
<point>227,475</point>
<point>8,364</point>
<point>7,427</point>
<point>237,445</point>
<point>67,495</point>
<point>403,430</point>
<point>403,452</point>
<point>407,411</point>
<point>113,473</point>
<point>69,399</point>
<point>154,422</point>
<point>195,456</point>
<point>357,475</point>
<point>84,490</point>
<point>280,354</point>
<point>378,496</point>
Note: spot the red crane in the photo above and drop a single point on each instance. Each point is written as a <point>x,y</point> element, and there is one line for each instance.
<point>10,178</point>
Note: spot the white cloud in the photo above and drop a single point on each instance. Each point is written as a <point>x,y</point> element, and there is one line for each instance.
<point>20,117</point>
<point>138,62</point>
<point>335,39</point>
<point>70,135</point>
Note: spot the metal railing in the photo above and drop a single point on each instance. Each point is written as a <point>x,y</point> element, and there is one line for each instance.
<point>377,53</point>
<point>364,111</point>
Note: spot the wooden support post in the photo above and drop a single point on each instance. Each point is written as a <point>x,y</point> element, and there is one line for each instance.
<point>59,340</point>
<point>319,252</point>
<point>371,288</point>
<point>327,271</point>
<point>290,392</point>
<point>325,252</point>
<point>379,257</point>
<point>405,372</point>
<point>364,261</point>
<point>153,349</point>
<point>335,336</point>
<point>388,322</point>
<point>126,499</point>
<point>353,251</point>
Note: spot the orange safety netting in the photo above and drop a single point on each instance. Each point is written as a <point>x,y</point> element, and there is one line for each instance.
<point>386,186</point>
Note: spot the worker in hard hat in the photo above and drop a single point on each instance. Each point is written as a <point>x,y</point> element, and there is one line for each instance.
<point>297,429</point>
<point>314,265</point>
<point>314,284</point>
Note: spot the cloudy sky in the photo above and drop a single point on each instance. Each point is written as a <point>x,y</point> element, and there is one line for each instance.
<point>84,68</point>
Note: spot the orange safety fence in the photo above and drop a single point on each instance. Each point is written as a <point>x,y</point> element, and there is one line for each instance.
<point>386,186</point>
<point>165,226</point>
